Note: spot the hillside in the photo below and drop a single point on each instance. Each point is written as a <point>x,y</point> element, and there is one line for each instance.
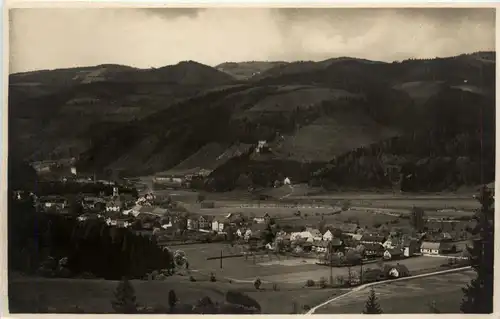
<point>247,70</point>
<point>341,122</point>
<point>58,113</point>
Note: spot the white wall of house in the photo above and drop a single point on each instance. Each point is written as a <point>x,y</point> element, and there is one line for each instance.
<point>327,236</point>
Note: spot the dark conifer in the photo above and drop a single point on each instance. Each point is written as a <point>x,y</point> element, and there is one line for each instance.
<point>372,306</point>
<point>478,295</point>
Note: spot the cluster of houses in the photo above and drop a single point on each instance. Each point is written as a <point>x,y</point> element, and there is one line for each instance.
<point>145,214</point>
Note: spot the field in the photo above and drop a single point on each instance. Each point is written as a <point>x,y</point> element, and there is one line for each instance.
<point>284,270</point>
<point>412,296</point>
<point>94,296</point>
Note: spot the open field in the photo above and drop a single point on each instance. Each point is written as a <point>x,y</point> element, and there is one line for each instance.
<point>94,296</point>
<point>435,205</point>
<point>286,270</point>
<point>412,296</point>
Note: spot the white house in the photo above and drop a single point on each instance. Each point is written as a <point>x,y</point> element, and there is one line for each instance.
<point>218,224</point>
<point>430,248</point>
<point>317,236</point>
<point>390,243</point>
<point>302,235</point>
<point>327,236</point>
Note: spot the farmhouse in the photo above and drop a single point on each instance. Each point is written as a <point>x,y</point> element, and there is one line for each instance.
<point>114,205</point>
<point>315,233</point>
<point>373,250</point>
<point>320,246</point>
<point>436,248</point>
<point>327,235</point>
<point>398,271</point>
<point>431,248</point>
<point>410,247</point>
<point>393,253</point>
<point>205,222</point>
<point>372,239</point>
<point>219,223</point>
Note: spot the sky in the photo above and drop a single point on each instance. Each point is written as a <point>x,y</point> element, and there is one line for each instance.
<point>43,38</point>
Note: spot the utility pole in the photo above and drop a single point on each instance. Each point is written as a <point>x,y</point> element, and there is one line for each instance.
<point>221,259</point>
<point>361,273</point>
<point>330,258</point>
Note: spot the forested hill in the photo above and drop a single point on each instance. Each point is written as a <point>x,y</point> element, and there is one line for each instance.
<point>340,123</point>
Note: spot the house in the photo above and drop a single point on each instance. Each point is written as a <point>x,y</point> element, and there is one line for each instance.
<point>357,237</point>
<point>390,243</point>
<point>264,219</point>
<point>373,250</point>
<point>327,236</point>
<point>349,228</point>
<point>218,224</point>
<point>120,223</point>
<point>393,253</point>
<point>193,223</point>
<point>320,246</point>
<point>305,235</point>
<point>398,271</point>
<point>337,245</point>
<point>410,247</point>
<point>372,239</point>
<point>205,222</point>
<point>53,203</point>
<point>315,233</point>
<point>114,205</point>
<point>134,211</point>
<point>430,248</point>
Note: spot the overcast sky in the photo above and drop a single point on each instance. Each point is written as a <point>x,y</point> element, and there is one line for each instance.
<point>57,38</point>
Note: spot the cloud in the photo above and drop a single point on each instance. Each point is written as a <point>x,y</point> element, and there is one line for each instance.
<point>55,38</point>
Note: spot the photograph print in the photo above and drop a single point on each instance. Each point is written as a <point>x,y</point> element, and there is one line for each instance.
<point>251,160</point>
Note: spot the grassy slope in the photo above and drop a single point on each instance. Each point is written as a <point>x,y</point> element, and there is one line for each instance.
<point>95,296</point>
<point>411,296</point>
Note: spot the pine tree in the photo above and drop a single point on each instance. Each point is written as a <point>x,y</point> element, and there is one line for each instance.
<point>172,300</point>
<point>372,306</point>
<point>125,301</point>
<point>478,295</point>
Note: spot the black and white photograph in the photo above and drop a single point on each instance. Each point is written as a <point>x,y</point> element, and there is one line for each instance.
<point>250,160</point>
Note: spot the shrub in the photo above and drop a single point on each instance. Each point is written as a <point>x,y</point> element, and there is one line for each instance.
<point>212,277</point>
<point>257,283</point>
<point>275,287</point>
<point>310,283</point>
<point>306,307</point>
<point>125,301</point>
<point>322,282</point>
<point>172,299</point>
<point>191,278</point>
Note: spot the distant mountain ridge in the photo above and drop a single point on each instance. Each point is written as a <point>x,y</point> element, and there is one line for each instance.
<point>322,121</point>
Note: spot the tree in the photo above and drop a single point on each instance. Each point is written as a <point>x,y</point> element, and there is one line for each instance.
<point>478,295</point>
<point>257,283</point>
<point>125,301</point>
<point>372,306</point>
<point>172,300</point>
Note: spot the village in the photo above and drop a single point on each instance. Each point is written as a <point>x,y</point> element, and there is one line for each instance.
<point>328,243</point>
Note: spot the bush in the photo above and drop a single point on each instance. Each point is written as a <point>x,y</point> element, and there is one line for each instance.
<point>310,283</point>
<point>257,283</point>
<point>275,287</point>
<point>212,277</point>
<point>125,301</point>
<point>191,278</point>
<point>306,307</point>
<point>322,282</point>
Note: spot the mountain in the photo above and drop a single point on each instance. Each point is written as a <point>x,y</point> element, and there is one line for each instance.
<point>57,113</point>
<point>338,123</point>
<point>247,70</point>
